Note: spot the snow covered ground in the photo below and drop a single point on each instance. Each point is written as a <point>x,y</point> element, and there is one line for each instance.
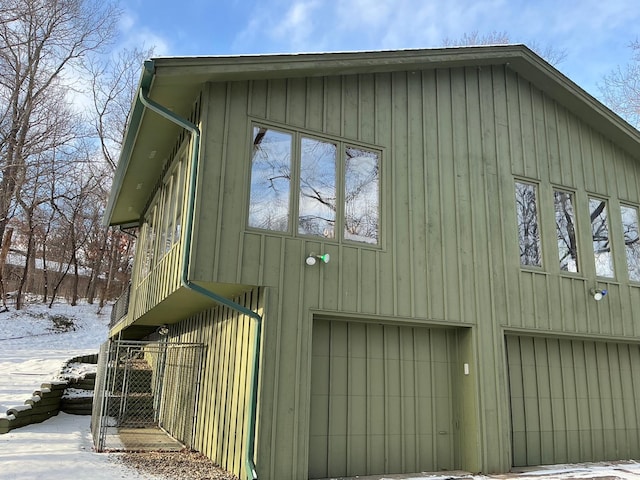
<point>35,343</point>
<point>33,349</point>
<point>59,449</point>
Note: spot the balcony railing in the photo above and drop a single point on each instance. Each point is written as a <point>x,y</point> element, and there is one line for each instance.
<point>121,307</point>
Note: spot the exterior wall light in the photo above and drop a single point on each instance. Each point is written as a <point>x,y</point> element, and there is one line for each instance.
<point>313,258</point>
<point>598,294</point>
<point>162,330</point>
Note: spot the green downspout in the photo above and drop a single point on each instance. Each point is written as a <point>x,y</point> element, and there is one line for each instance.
<point>195,133</point>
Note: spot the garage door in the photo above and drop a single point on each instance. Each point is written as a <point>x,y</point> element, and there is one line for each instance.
<point>381,399</point>
<point>573,400</point>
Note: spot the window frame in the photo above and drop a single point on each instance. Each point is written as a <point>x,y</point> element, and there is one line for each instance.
<point>539,224</point>
<point>576,226</point>
<point>158,233</point>
<point>636,208</point>
<point>341,144</point>
<point>611,236</point>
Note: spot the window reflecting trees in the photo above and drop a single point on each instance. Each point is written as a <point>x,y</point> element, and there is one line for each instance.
<point>336,181</point>
<point>270,179</point>
<point>566,231</point>
<point>600,235</point>
<point>528,231</point>
<point>631,242</point>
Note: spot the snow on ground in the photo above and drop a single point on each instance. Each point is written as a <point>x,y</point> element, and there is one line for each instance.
<point>33,349</point>
<point>59,449</point>
<point>34,345</point>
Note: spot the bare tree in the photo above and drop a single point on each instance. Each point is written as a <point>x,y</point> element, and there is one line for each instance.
<point>113,88</point>
<point>621,88</point>
<point>548,52</point>
<point>114,83</point>
<point>41,42</point>
<point>77,210</point>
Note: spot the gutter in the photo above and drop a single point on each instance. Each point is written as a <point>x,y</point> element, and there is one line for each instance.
<point>143,96</point>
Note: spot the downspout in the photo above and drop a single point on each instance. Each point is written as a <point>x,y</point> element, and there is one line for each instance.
<point>186,282</point>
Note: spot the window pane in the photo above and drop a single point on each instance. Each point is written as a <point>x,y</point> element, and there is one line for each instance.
<point>317,210</point>
<point>180,183</point>
<point>600,235</point>
<point>631,243</point>
<point>565,230</point>
<point>167,217</point>
<point>528,232</point>
<point>362,199</point>
<point>270,180</point>
<point>148,260</point>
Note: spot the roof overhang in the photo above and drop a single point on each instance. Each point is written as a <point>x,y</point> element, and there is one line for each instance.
<point>175,82</point>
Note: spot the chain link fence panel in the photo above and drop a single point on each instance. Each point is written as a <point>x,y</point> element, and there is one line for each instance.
<point>142,387</point>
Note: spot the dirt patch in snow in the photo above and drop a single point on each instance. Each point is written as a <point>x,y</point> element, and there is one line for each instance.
<point>184,465</point>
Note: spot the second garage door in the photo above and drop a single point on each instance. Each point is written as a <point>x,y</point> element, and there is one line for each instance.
<point>573,400</point>
<point>382,399</point>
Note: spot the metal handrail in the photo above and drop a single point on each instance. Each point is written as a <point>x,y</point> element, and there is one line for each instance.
<point>121,307</point>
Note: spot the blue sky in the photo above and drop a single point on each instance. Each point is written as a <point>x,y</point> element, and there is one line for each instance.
<point>595,34</point>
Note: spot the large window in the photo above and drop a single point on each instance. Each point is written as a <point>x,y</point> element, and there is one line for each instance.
<point>600,235</point>
<point>564,203</point>
<point>338,194</point>
<point>528,231</point>
<point>361,204</point>
<point>566,230</point>
<point>317,208</point>
<point>631,241</point>
<point>270,179</point>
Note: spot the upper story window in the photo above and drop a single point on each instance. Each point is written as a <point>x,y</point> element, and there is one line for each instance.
<point>317,203</point>
<point>566,230</point>
<point>528,230</point>
<point>362,196</point>
<point>566,220</point>
<point>631,241</point>
<point>162,227</point>
<point>338,186</point>
<point>270,179</point>
<point>600,235</point>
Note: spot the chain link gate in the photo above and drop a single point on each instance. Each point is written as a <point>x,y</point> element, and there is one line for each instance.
<point>145,386</point>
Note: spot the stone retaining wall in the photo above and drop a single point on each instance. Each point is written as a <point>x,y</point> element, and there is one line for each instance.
<point>49,400</point>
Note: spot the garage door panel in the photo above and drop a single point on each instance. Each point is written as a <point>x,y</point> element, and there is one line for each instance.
<point>319,445</point>
<point>409,415</point>
<point>390,398</point>
<point>321,346</point>
<point>572,401</point>
<point>338,373</point>
<point>337,459</point>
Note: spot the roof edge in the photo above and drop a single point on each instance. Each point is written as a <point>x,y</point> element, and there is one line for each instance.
<point>135,119</point>
<point>518,57</point>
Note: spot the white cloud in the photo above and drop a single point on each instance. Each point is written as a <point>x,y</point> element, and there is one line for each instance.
<point>132,34</point>
<point>288,26</point>
<point>593,33</point>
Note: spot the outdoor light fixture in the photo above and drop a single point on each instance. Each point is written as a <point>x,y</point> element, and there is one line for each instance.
<point>162,330</point>
<point>598,294</point>
<point>313,258</point>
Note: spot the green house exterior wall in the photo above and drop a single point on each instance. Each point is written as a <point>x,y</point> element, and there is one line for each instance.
<point>453,143</point>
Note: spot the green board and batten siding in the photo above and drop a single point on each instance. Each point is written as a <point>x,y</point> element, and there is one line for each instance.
<point>383,399</point>
<point>432,266</point>
<point>452,142</point>
<point>221,426</point>
<point>573,400</point>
